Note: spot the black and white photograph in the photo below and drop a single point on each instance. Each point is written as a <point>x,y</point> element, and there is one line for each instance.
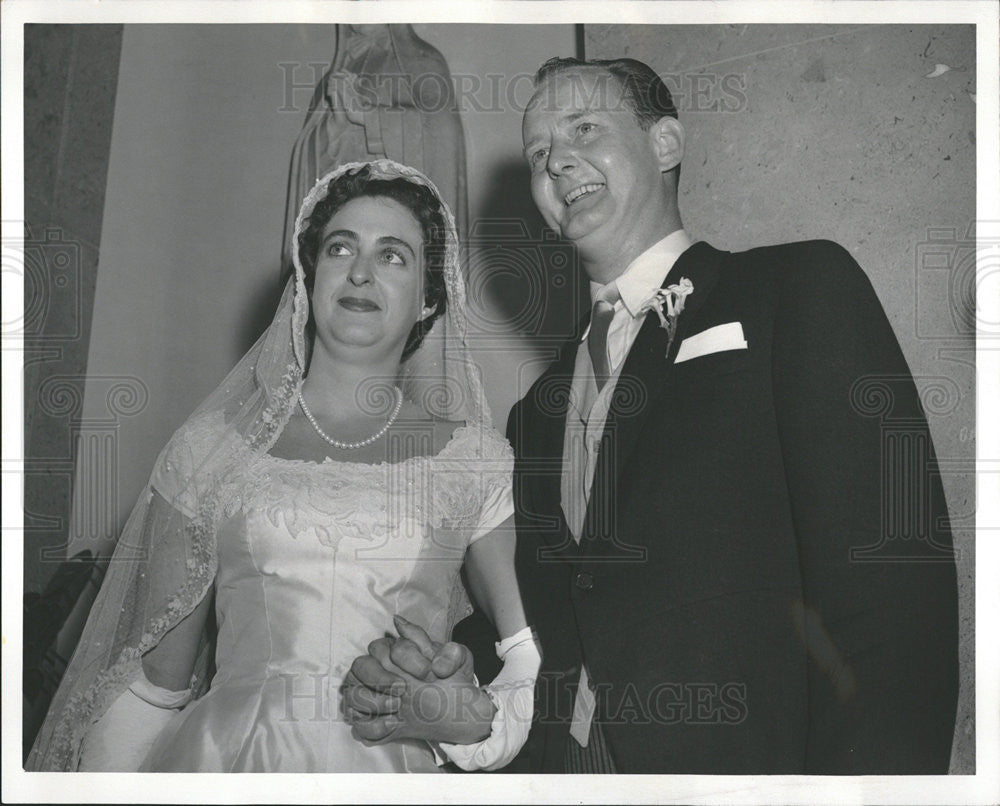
<point>518,394</point>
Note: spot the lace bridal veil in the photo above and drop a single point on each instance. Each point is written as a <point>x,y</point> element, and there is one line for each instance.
<point>165,561</point>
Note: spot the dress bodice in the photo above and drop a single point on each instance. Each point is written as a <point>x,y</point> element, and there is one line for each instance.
<point>314,561</point>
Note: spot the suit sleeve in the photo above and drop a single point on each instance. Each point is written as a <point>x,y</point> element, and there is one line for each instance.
<point>879,612</point>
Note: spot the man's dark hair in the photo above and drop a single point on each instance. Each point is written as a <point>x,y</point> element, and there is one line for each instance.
<point>642,89</point>
<point>426,209</point>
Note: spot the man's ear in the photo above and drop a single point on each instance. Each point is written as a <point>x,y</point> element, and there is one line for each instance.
<point>666,136</point>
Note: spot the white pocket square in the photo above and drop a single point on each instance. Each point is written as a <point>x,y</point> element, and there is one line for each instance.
<point>714,340</point>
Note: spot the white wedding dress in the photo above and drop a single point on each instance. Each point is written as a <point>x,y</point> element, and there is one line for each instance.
<point>314,561</point>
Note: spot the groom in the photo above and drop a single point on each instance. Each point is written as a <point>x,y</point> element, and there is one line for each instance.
<point>731,539</point>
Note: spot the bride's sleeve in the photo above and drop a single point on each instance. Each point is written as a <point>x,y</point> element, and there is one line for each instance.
<point>494,471</point>
<point>120,739</point>
<point>182,475</point>
<point>490,571</point>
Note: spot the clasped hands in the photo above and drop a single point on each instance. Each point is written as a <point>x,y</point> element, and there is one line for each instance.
<point>410,687</point>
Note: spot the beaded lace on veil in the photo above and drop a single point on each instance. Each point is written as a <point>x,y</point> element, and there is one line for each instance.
<point>165,561</point>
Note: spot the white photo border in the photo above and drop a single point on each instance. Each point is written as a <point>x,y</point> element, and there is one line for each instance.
<point>983,787</point>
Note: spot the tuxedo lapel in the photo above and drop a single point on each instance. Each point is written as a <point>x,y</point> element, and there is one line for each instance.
<point>642,381</point>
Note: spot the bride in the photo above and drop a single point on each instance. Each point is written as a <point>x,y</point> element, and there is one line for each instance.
<point>333,486</point>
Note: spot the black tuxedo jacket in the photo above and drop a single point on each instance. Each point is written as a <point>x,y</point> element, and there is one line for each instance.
<point>765,583</point>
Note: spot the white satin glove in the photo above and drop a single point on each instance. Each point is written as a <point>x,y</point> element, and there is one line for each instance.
<point>513,694</point>
<point>121,738</point>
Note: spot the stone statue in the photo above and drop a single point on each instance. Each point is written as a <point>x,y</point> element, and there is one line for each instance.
<point>387,93</point>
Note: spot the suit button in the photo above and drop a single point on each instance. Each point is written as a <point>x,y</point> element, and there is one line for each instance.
<point>584,580</point>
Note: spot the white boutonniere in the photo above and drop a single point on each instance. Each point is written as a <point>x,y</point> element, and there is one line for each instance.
<point>669,304</point>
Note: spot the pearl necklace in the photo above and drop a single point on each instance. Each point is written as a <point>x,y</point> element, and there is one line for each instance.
<point>350,446</point>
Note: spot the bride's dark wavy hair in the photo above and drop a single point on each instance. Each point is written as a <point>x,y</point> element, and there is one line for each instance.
<point>426,209</point>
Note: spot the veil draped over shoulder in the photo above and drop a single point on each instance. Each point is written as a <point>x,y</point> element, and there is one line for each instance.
<point>165,561</point>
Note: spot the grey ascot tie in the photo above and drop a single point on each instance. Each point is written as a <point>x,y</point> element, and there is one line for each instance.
<point>597,340</point>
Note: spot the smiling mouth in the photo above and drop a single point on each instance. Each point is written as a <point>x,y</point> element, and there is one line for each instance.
<point>580,192</point>
<point>359,304</point>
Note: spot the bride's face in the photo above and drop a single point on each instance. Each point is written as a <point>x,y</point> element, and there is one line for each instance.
<point>368,291</point>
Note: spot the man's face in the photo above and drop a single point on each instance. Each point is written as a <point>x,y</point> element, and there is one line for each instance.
<point>596,176</point>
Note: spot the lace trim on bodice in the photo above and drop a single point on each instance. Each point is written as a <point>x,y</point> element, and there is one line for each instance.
<point>351,499</point>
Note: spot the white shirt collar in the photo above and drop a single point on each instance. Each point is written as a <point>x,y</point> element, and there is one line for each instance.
<point>644,275</point>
